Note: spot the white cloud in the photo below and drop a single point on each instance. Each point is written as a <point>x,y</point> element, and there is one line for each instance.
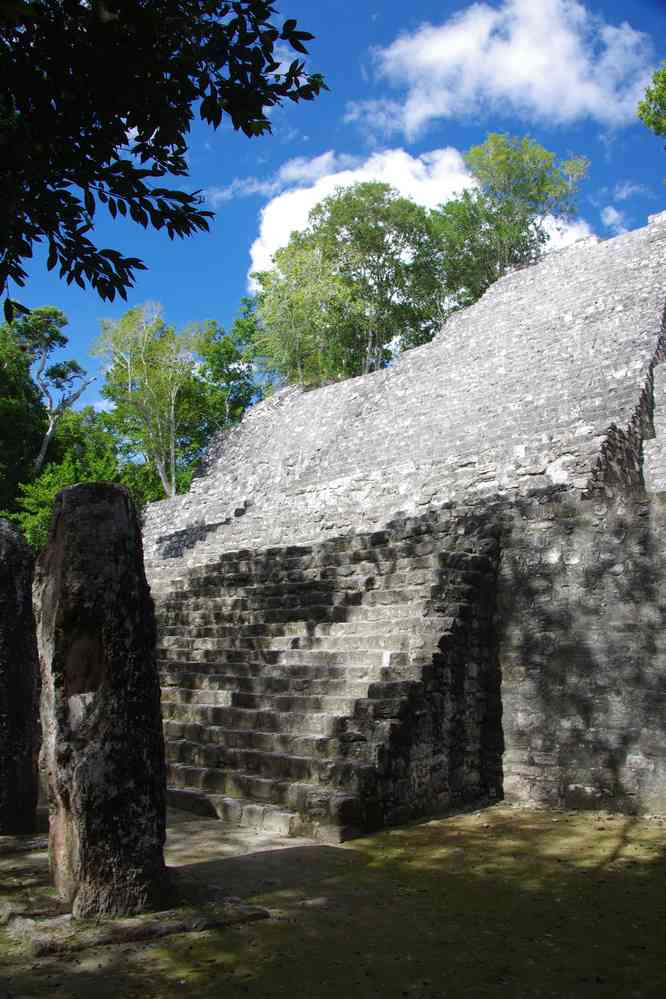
<point>552,61</point>
<point>626,189</point>
<point>429,179</point>
<point>299,170</point>
<point>613,220</point>
<point>565,233</point>
<point>241,188</point>
<point>104,406</point>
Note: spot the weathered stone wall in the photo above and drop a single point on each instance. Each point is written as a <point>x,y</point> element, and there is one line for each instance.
<point>362,669</point>
<point>19,687</point>
<point>517,392</point>
<point>103,748</point>
<point>538,413</point>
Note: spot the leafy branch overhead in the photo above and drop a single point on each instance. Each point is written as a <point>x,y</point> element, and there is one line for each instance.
<point>100,103</point>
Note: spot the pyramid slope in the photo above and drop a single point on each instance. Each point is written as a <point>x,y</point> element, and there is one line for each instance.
<point>516,393</point>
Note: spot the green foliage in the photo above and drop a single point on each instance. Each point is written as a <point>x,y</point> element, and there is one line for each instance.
<point>83,451</point>
<point>652,108</point>
<point>85,448</point>
<point>39,333</point>
<point>480,241</point>
<point>97,106</point>
<point>304,332</point>
<point>521,174</point>
<point>170,390</point>
<point>500,225</point>
<point>23,418</point>
<point>360,279</point>
<point>374,273</point>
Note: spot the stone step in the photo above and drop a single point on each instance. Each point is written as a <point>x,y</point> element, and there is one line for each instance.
<point>331,771</point>
<point>288,703</point>
<point>181,684</point>
<point>175,658</point>
<point>360,577</point>
<point>384,559</point>
<point>316,723</point>
<point>200,611</point>
<point>268,742</point>
<point>302,715</point>
<point>248,814</point>
<point>303,603</point>
<point>391,642</point>
<point>327,805</point>
<point>288,631</point>
<point>276,701</point>
<point>205,682</point>
<point>171,670</point>
<point>299,703</point>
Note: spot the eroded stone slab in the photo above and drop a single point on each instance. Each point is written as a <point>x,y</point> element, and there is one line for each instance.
<point>103,750</point>
<point>18,686</point>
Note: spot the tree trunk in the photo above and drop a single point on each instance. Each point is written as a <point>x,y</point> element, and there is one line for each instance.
<point>103,748</point>
<point>172,444</point>
<point>19,686</point>
<point>39,460</point>
<point>164,478</point>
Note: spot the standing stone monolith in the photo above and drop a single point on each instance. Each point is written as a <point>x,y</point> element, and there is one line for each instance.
<point>19,686</point>
<point>103,748</point>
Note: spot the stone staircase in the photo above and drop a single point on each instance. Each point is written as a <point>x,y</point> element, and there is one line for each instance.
<point>288,676</point>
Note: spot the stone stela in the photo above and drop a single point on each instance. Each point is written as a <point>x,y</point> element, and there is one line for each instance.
<point>102,742</point>
<point>19,688</point>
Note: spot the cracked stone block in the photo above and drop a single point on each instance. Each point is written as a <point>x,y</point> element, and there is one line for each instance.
<point>103,749</point>
<point>19,688</point>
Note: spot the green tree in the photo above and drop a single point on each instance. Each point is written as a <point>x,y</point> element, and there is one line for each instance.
<point>304,312</point>
<point>82,450</point>
<point>149,364</point>
<point>360,280</point>
<point>652,108</point>
<point>23,418</point>
<point>97,103</point>
<point>170,390</point>
<point>500,225</point>
<point>527,179</point>
<point>224,383</point>
<point>480,240</point>
<point>39,334</point>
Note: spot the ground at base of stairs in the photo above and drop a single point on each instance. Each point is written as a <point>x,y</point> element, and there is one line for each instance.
<point>492,903</point>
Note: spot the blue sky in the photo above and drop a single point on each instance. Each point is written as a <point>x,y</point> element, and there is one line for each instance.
<point>412,86</point>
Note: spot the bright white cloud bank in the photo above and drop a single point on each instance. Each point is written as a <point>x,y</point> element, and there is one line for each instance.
<point>429,179</point>
<point>545,60</point>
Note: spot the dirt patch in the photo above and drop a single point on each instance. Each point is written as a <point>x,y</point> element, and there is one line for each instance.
<point>504,902</point>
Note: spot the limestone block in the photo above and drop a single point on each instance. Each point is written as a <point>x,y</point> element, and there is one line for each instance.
<point>18,686</point>
<point>103,749</point>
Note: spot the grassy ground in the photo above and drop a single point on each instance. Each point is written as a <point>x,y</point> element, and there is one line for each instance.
<point>504,902</point>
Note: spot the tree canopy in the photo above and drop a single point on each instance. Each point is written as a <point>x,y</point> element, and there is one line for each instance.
<point>39,334</point>
<point>361,279</point>
<point>97,102</point>
<point>480,240</point>
<point>23,418</point>
<point>652,108</point>
<point>499,225</point>
<point>169,390</point>
<point>374,273</point>
<point>526,178</point>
